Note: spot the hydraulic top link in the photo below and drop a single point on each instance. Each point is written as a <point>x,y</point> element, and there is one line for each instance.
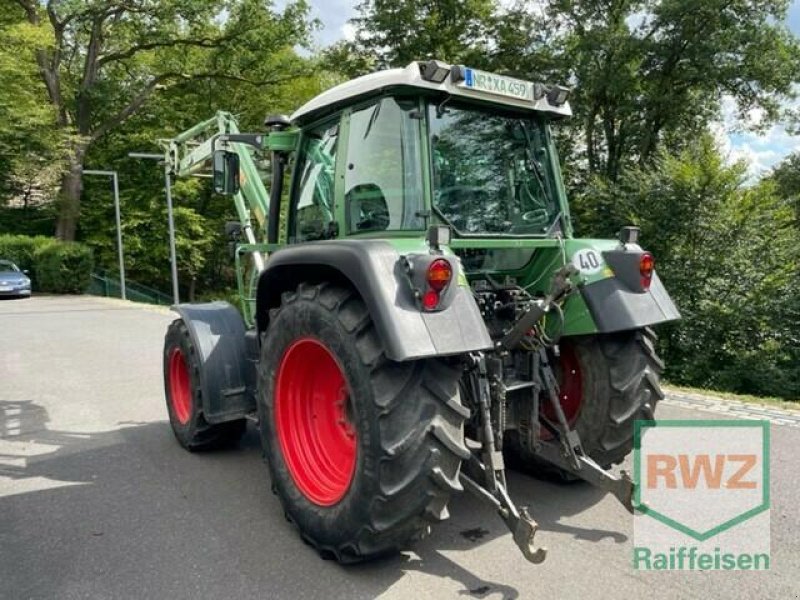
<point>561,287</point>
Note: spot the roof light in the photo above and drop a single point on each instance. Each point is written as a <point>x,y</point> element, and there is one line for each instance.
<point>457,73</point>
<point>557,95</point>
<point>434,71</point>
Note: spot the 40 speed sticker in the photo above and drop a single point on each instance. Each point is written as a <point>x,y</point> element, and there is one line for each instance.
<point>588,261</point>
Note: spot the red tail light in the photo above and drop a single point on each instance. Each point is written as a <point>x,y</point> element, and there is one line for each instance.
<point>646,265</point>
<point>439,274</point>
<point>430,300</point>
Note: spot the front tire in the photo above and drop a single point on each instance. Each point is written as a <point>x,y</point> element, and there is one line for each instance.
<point>184,395</point>
<point>363,452</point>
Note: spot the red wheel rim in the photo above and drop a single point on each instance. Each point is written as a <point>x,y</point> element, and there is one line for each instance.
<point>180,386</point>
<point>315,432</point>
<point>570,384</point>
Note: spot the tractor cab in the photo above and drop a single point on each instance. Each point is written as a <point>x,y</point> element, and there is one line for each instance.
<point>429,144</point>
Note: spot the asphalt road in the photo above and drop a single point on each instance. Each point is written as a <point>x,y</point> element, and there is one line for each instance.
<point>97,500</point>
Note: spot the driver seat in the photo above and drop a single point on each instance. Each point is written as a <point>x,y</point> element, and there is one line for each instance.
<point>367,209</point>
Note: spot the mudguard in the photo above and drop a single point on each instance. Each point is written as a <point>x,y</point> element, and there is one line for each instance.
<point>227,377</point>
<point>616,307</point>
<point>374,269</point>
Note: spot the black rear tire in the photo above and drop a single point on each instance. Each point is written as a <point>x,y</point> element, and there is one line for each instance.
<point>189,425</point>
<point>620,374</point>
<point>407,418</point>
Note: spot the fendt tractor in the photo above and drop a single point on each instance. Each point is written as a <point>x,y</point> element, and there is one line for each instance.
<point>415,310</point>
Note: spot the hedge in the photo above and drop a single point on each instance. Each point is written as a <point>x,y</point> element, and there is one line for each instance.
<point>54,266</point>
<point>20,249</point>
<point>63,268</point>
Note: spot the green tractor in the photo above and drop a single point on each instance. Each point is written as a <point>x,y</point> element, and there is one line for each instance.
<point>415,310</point>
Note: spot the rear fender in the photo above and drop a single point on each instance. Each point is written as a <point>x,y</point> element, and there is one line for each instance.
<point>375,269</point>
<point>611,287</point>
<point>227,373</point>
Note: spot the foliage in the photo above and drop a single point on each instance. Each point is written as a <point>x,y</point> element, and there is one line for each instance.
<point>786,177</point>
<point>650,74</point>
<point>728,255</point>
<point>105,60</point>
<point>20,249</point>
<point>31,149</point>
<point>26,220</point>
<point>397,33</point>
<point>63,267</point>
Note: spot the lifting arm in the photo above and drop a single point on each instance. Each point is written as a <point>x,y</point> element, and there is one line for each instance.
<point>190,152</point>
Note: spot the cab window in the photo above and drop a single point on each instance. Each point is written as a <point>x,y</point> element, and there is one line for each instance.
<point>383,178</point>
<point>314,201</point>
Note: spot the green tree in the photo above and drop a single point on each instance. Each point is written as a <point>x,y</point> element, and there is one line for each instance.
<point>651,73</point>
<point>142,182</point>
<point>106,59</point>
<point>30,146</point>
<point>728,254</point>
<point>397,33</point>
<point>786,177</point>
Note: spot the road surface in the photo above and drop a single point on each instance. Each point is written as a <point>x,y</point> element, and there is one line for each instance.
<point>97,500</point>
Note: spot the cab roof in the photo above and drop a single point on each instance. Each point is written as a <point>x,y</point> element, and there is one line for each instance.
<point>454,84</point>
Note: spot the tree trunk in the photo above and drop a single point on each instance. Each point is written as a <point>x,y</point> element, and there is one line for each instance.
<point>69,197</point>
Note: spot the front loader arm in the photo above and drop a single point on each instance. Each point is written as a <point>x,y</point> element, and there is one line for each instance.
<point>190,152</point>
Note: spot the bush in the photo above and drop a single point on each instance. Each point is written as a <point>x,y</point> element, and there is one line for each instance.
<point>63,267</point>
<point>20,249</point>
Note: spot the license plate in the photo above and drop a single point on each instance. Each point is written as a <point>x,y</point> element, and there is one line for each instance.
<point>498,85</point>
<point>5,288</point>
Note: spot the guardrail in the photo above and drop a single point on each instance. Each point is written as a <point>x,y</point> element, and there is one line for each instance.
<point>107,284</point>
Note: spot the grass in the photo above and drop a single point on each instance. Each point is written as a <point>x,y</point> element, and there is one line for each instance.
<point>746,398</point>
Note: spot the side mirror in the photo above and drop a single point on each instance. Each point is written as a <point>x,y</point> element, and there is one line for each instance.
<point>226,172</point>
<point>26,272</point>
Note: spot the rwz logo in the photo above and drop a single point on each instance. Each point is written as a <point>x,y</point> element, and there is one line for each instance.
<point>701,477</point>
<point>691,469</point>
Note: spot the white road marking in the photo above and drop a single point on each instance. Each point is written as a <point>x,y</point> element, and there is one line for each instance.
<point>734,408</point>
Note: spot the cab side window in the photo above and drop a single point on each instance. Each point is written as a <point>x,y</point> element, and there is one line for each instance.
<point>383,178</point>
<point>313,205</point>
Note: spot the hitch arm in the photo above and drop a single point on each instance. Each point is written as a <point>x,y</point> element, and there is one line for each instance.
<point>519,521</point>
<point>569,454</point>
<point>621,487</point>
<point>492,472</point>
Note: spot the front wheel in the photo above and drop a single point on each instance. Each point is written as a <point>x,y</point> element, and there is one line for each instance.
<point>184,395</point>
<point>364,452</point>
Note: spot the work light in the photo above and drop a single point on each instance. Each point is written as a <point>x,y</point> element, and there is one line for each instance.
<point>434,71</point>
<point>557,95</point>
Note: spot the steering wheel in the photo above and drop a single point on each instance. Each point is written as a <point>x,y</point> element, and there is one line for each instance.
<point>535,217</point>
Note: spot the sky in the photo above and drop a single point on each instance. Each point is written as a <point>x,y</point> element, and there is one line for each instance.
<point>762,150</point>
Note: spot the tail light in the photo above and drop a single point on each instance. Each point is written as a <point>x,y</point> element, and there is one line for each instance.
<point>646,265</point>
<point>438,276</point>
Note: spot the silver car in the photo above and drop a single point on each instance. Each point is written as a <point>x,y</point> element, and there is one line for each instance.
<point>13,281</point>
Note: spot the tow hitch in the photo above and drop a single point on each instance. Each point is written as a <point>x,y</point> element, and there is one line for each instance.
<point>484,474</point>
<point>492,472</point>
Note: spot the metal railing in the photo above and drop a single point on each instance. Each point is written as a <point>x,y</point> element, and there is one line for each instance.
<point>107,284</point>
